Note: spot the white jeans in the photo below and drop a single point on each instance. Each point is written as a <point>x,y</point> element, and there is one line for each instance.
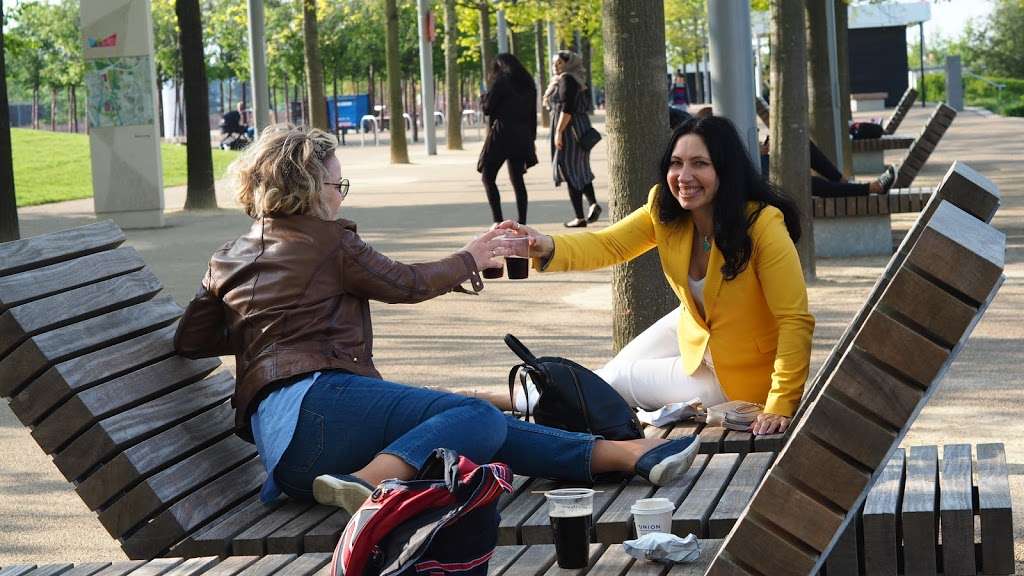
<point>648,372</point>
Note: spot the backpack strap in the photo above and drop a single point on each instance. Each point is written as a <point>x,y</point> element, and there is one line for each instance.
<point>522,351</point>
<point>522,370</point>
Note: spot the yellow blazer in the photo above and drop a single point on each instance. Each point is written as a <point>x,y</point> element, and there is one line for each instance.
<point>757,324</point>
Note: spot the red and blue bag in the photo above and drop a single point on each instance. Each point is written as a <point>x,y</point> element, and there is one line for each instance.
<point>445,521</point>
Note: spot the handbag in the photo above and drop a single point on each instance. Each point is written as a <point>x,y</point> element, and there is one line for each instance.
<point>588,139</point>
<point>572,397</point>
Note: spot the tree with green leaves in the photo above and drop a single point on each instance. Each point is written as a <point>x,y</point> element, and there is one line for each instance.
<point>819,84</point>
<point>31,48</point>
<point>314,69</point>
<point>8,200</point>
<point>399,148</point>
<point>200,191</point>
<point>789,156</point>
<point>634,81</point>
<point>451,76</point>
<point>998,44</point>
<point>166,55</point>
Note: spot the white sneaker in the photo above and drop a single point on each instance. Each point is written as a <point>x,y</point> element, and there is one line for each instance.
<point>345,491</point>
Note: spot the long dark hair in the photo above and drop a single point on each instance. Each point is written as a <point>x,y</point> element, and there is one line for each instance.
<point>508,68</point>
<point>738,183</point>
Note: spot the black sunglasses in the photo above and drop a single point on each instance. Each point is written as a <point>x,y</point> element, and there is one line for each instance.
<point>341,186</point>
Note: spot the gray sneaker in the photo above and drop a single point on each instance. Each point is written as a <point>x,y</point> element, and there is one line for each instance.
<point>344,491</point>
<point>666,462</point>
<point>888,178</point>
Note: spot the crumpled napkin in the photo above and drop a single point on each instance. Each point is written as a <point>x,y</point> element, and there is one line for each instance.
<point>671,413</point>
<point>664,548</point>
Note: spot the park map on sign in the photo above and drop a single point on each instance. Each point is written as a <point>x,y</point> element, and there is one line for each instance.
<point>120,91</point>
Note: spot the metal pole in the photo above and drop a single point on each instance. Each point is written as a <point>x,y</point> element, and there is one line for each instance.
<point>502,32</point>
<point>920,29</point>
<point>427,76</point>
<point>833,75</point>
<point>258,68</point>
<point>732,68</point>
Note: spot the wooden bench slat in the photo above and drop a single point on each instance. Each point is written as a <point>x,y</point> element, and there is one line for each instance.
<point>839,480</point>
<point>289,538</point>
<point>268,565</point>
<point>325,535</point>
<point>87,569</point>
<point>521,509</point>
<point>103,439</point>
<point>305,565</point>
<point>46,249</point>
<point>51,570</point>
<point>956,509</point>
<point>31,285</point>
<point>787,505</point>
<point>844,560</point>
<point>20,322</point>
<point>519,484</point>
<point>503,557</point>
<point>253,539</point>
<point>593,556</point>
<point>613,562</point>
<point>120,568</point>
<point>157,567</point>
<point>40,352</point>
<point>192,566</point>
<point>173,483</point>
<point>616,523</point>
<point>537,528</point>
<point>693,513</point>
<point>231,566</point>
<point>995,508</point>
<point>920,522</point>
<point>711,439</point>
<point>61,381</point>
<point>215,538</point>
<point>138,461</point>
<point>832,422</point>
<point>879,517</point>
<point>118,395</point>
<point>708,549</point>
<point>933,131</point>
<point>769,550</point>
<point>194,511</point>
<point>919,300</point>
<point>861,381</point>
<point>677,491</point>
<point>535,560</point>
<point>901,348</point>
<point>737,493</point>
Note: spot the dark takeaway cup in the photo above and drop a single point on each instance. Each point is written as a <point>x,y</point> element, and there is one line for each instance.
<point>519,264</point>
<point>571,511</point>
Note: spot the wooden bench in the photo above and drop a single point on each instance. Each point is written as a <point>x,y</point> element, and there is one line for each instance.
<point>900,112</point>
<point>869,153</point>
<point>868,101</point>
<point>861,225</point>
<point>875,382</point>
<point>942,117</point>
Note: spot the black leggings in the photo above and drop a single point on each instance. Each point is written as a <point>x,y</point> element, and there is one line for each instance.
<point>489,175</point>
<point>576,198</point>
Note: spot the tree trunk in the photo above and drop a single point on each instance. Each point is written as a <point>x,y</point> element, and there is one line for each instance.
<point>842,57</point>
<point>399,148</point>
<point>451,76</point>
<point>287,102</point>
<point>220,92</point>
<point>273,103</point>
<point>588,66</point>
<point>201,193</point>
<point>159,103</point>
<point>819,84</point>
<point>486,55</point>
<point>634,56</point>
<point>35,107</point>
<point>314,69</point>
<point>8,201</point>
<point>412,110</point>
<point>53,108</point>
<point>371,93</point>
<point>790,163</point>
<point>542,72</point>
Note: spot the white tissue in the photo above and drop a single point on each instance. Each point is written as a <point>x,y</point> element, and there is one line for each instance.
<point>664,548</point>
<point>671,413</point>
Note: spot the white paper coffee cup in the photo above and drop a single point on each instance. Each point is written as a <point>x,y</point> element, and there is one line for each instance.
<point>652,515</point>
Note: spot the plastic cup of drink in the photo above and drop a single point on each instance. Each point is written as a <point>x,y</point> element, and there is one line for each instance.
<point>518,264</point>
<point>652,515</point>
<point>571,511</point>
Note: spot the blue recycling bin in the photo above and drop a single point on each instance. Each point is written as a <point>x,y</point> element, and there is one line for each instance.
<point>345,112</point>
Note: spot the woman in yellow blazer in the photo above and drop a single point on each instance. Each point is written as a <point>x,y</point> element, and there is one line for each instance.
<point>726,242</point>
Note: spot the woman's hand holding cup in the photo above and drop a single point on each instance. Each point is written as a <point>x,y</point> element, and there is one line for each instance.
<point>487,248</point>
<point>537,245</point>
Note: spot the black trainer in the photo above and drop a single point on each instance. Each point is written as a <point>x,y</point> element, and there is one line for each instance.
<point>594,212</point>
<point>888,178</point>
<point>666,462</point>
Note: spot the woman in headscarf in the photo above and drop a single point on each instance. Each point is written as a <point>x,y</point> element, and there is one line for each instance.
<point>566,97</point>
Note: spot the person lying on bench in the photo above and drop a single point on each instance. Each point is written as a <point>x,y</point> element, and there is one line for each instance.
<point>829,182</point>
<point>726,239</point>
<point>290,299</point>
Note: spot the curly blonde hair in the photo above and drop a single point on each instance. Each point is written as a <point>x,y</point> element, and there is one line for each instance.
<point>281,173</point>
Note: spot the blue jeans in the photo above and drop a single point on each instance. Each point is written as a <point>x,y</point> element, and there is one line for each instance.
<point>346,420</point>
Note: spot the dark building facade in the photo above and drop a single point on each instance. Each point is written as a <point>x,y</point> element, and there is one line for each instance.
<point>878,61</point>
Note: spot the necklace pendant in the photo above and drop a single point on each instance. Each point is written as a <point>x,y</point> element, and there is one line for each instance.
<point>706,244</point>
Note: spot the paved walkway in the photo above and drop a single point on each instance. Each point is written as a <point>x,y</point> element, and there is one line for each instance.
<point>431,207</point>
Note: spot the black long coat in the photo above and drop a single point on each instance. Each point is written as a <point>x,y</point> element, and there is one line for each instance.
<point>512,124</point>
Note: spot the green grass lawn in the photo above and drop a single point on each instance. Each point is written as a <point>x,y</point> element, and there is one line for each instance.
<point>53,166</point>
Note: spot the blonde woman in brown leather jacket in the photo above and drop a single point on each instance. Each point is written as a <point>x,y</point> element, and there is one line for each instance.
<point>290,299</point>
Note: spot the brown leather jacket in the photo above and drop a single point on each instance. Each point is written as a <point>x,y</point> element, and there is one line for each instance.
<point>291,297</point>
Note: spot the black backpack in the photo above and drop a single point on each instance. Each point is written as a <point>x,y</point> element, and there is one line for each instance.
<point>866,131</point>
<point>572,397</point>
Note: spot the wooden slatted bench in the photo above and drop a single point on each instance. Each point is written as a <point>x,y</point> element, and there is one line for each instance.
<point>869,153</point>
<point>926,142</point>
<point>862,225</point>
<point>900,112</point>
<point>868,101</point>
<point>876,384</point>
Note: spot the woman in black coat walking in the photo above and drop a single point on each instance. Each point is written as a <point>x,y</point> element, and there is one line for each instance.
<point>511,108</point>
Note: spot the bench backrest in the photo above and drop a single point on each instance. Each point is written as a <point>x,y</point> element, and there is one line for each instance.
<point>87,360</point>
<point>906,101</point>
<point>924,145</point>
<point>874,391</point>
